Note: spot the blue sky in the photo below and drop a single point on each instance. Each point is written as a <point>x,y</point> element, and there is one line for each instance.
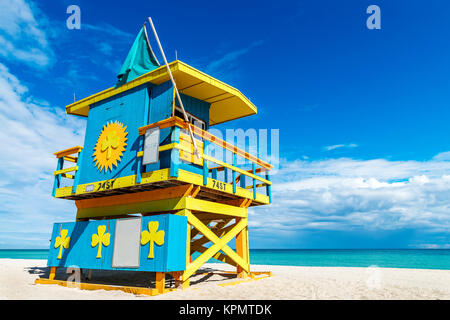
<point>362,114</point>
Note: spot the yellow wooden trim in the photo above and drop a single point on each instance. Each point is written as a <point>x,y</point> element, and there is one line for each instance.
<point>128,181</point>
<point>122,182</point>
<point>65,170</point>
<point>149,206</point>
<point>226,284</point>
<point>186,143</point>
<point>224,164</point>
<point>218,256</point>
<point>94,286</point>
<point>52,273</point>
<point>127,204</point>
<point>71,159</point>
<point>163,175</point>
<point>218,231</point>
<point>257,186</point>
<point>221,143</point>
<point>215,207</point>
<point>229,166</point>
<point>166,123</point>
<point>160,149</point>
<point>190,177</point>
<point>131,198</point>
<point>236,106</point>
<point>160,282</point>
<point>68,176</point>
<point>68,152</point>
<point>218,244</point>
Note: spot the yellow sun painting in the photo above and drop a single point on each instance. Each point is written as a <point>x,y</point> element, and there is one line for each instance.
<point>110,146</point>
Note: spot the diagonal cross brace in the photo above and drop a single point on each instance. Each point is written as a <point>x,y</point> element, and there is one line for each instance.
<point>218,244</point>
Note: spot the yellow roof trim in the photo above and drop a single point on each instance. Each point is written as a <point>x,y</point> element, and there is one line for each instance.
<point>227,103</point>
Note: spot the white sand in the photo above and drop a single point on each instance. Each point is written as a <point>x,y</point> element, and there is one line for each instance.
<point>17,282</point>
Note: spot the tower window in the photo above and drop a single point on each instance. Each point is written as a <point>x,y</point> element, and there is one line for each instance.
<point>191,118</point>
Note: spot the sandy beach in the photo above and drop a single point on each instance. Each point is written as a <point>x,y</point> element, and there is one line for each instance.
<point>17,282</point>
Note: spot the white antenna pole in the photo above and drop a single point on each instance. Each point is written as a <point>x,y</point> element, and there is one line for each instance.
<point>176,55</point>
<point>175,86</point>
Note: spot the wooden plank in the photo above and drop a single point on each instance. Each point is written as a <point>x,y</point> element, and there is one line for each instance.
<point>209,137</point>
<point>68,152</point>
<point>224,164</point>
<point>215,207</point>
<point>181,72</point>
<point>218,244</point>
<point>129,198</point>
<point>242,249</point>
<point>94,286</point>
<point>160,281</point>
<point>71,159</point>
<point>52,273</point>
<point>258,170</point>
<point>57,172</point>
<point>160,149</point>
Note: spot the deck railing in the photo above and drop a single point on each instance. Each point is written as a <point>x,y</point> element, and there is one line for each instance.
<point>182,147</point>
<point>224,175</point>
<point>61,172</point>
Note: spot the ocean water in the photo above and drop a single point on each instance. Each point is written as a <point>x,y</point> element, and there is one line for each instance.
<point>384,258</point>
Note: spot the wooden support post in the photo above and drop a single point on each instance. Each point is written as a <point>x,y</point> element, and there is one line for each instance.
<point>243,182</point>
<point>185,284</point>
<point>160,281</point>
<point>214,174</point>
<point>268,187</point>
<point>205,163</point>
<point>139,160</point>
<point>77,173</point>
<point>225,175</point>
<point>233,173</point>
<point>188,245</point>
<point>57,181</point>
<point>52,273</point>
<point>175,153</point>
<point>242,249</point>
<point>254,181</point>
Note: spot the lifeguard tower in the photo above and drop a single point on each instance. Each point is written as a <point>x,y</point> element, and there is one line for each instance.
<point>145,200</point>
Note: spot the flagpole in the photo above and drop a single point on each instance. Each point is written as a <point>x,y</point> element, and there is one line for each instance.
<point>149,46</point>
<point>175,86</point>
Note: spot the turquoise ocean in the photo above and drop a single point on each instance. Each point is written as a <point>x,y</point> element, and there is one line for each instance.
<point>385,258</point>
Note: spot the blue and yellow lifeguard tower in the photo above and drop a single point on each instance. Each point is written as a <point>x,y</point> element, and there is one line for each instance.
<point>145,200</point>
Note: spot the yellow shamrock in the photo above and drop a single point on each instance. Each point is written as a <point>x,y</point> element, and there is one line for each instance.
<point>101,238</point>
<point>111,141</point>
<point>62,241</point>
<point>152,235</point>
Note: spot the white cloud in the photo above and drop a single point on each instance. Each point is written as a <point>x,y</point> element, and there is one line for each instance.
<point>338,146</point>
<point>228,62</point>
<point>443,156</point>
<point>348,194</point>
<point>30,133</point>
<point>21,34</point>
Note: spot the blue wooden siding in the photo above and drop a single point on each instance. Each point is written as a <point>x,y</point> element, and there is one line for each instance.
<point>135,108</point>
<point>197,107</point>
<point>127,108</point>
<point>170,256</point>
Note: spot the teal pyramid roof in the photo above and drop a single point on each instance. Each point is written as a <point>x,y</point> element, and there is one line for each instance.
<point>140,59</point>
